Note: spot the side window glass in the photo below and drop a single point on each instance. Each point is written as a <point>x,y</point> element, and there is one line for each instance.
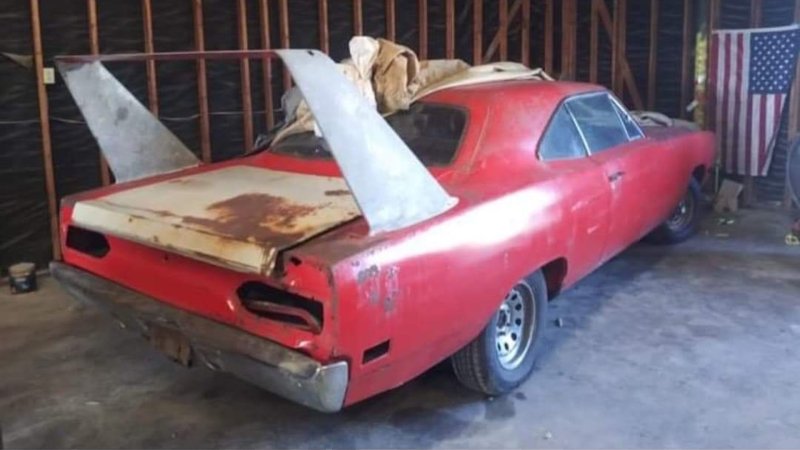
<point>598,120</point>
<point>633,130</point>
<point>561,140</point>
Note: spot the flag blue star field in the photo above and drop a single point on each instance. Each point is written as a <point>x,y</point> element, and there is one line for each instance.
<point>750,74</point>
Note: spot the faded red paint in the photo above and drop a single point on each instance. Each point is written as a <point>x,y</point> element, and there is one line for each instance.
<point>515,215</point>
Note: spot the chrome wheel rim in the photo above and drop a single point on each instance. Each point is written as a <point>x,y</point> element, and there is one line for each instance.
<point>683,214</point>
<point>514,326</point>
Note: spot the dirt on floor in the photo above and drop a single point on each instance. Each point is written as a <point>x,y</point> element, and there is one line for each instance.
<point>695,345</point>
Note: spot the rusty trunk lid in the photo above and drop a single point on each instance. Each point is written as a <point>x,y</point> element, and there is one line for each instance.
<point>239,217</point>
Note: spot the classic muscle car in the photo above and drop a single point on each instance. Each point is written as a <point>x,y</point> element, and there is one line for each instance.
<point>328,269</point>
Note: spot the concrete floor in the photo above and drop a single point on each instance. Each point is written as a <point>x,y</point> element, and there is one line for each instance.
<point>696,345</point>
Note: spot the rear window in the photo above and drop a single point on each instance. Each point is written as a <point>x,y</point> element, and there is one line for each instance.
<point>433,132</point>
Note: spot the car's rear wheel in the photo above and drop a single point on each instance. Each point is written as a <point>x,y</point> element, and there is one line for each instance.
<point>502,356</point>
<point>685,219</point>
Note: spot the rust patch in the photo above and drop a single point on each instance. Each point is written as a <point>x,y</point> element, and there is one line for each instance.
<point>337,192</point>
<point>258,217</point>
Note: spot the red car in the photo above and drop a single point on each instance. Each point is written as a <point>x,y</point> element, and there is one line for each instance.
<point>328,269</point>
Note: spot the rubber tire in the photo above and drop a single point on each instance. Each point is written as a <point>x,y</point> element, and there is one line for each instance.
<point>476,365</point>
<point>664,235</point>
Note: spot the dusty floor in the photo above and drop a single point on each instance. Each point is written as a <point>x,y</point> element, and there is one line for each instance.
<point>691,346</point>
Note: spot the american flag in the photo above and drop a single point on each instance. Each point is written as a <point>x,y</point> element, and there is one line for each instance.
<point>750,75</point>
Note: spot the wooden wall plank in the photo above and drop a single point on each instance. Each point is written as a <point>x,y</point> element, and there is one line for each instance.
<point>794,112</point>
<point>525,33</point>
<point>44,121</point>
<point>283,25</point>
<point>391,20</point>
<point>496,43</point>
<point>202,82</point>
<point>152,86</point>
<point>422,52</point>
<point>569,30</point>
<point>94,48</point>
<point>324,33</point>
<point>266,63</point>
<point>477,32</point>
<point>244,72</point>
<point>626,79</point>
<point>749,191</point>
<point>652,63</point>
<point>548,36</point>
<point>449,29</point>
<point>794,109</point>
<point>713,15</point>
<point>756,12</point>
<point>503,31</point>
<point>687,87</point>
<point>618,45</point>
<point>358,17</point>
<point>593,43</point>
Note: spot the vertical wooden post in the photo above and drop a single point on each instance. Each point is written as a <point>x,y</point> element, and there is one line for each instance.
<point>94,47</point>
<point>477,32</point>
<point>525,33</point>
<point>449,27</point>
<point>713,15</point>
<point>593,44</point>
<point>548,36</point>
<point>618,46</point>
<point>358,17</point>
<point>794,101</point>
<point>756,12</point>
<point>423,29</point>
<point>324,34</point>
<point>749,190</point>
<point>244,73</point>
<point>283,11</point>
<point>152,86</point>
<point>202,82</point>
<point>686,63</point>
<point>44,121</point>
<point>569,29</point>
<point>266,63</point>
<point>794,112</point>
<point>391,21</point>
<point>652,64</point>
<point>503,32</point>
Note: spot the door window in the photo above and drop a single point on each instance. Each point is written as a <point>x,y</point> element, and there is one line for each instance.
<point>561,139</point>
<point>599,122</point>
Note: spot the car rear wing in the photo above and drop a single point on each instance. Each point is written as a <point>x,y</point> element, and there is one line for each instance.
<point>391,187</point>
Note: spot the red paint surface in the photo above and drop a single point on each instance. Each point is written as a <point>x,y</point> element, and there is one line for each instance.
<point>515,215</point>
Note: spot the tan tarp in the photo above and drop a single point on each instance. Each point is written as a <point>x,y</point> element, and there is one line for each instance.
<point>391,77</point>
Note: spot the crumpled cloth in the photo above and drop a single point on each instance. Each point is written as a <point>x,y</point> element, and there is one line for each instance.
<point>391,77</point>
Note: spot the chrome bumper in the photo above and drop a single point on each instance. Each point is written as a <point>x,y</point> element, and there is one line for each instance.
<point>266,364</point>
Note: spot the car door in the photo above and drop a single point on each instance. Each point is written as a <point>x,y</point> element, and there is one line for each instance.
<point>584,193</point>
<point>617,144</point>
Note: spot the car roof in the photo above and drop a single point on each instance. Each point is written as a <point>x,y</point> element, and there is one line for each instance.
<point>554,90</point>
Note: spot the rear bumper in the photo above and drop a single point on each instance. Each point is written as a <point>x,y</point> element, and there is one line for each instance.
<point>271,366</point>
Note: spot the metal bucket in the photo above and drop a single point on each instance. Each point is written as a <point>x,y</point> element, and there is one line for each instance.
<point>22,278</point>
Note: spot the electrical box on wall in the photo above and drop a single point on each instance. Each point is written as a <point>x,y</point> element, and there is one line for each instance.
<point>49,75</point>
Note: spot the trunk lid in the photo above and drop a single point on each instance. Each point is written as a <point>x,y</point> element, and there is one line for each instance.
<point>239,217</point>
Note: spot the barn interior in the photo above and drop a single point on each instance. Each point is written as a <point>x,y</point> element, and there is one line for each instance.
<point>691,345</point>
